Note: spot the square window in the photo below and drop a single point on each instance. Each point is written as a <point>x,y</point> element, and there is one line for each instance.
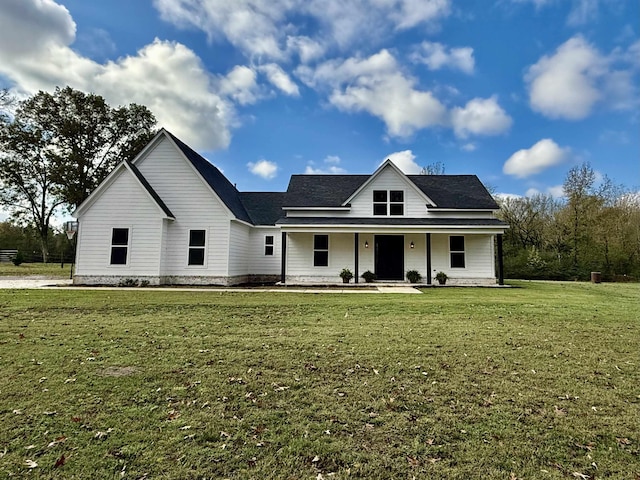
<point>457,259</point>
<point>397,196</point>
<point>380,196</point>
<point>196,238</point>
<point>118,255</point>
<point>379,208</point>
<point>196,256</point>
<point>321,242</point>
<point>456,243</point>
<point>321,259</point>
<point>120,236</point>
<point>396,209</point>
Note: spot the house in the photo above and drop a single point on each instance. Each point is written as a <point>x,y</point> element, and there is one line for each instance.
<point>171,217</point>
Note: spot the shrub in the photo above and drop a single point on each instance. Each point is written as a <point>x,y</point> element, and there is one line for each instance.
<point>414,276</point>
<point>346,275</point>
<point>18,259</point>
<point>441,277</point>
<point>369,276</point>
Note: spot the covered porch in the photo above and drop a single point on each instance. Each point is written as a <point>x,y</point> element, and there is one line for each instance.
<point>315,252</point>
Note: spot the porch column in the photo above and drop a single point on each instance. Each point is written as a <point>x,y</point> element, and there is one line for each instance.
<point>356,240</point>
<point>500,261</point>
<point>428,259</point>
<point>283,258</point>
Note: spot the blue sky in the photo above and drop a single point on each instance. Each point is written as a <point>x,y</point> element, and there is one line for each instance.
<point>515,91</point>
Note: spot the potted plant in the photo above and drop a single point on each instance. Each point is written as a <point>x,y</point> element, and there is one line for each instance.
<point>414,276</point>
<point>346,275</point>
<point>441,277</point>
<point>369,276</point>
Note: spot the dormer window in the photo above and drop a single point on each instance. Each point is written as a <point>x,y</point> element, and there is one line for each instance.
<point>388,202</point>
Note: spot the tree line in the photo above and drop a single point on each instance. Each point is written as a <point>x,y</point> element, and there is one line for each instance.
<point>595,228</point>
<point>55,148</point>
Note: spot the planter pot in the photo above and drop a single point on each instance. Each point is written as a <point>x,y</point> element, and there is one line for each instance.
<point>345,280</point>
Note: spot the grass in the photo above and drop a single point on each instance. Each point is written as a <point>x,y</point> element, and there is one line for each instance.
<point>49,270</point>
<point>537,382</point>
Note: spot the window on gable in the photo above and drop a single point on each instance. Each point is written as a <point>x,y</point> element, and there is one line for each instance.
<point>388,202</point>
<point>380,202</point>
<point>119,246</point>
<point>197,239</point>
<point>456,251</point>
<point>321,250</point>
<point>268,245</point>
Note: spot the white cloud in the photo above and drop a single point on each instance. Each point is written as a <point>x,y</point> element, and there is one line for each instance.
<point>469,147</point>
<point>544,154</point>
<point>265,28</point>
<point>556,191</point>
<point>241,85</point>
<point>569,83</point>
<point>376,85</point>
<point>405,161</point>
<point>263,168</point>
<point>331,165</point>
<point>583,12</point>
<point>280,79</point>
<point>436,56</point>
<point>35,53</point>
<point>480,116</point>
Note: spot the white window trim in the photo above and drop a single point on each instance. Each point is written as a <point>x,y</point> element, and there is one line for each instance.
<point>314,250</point>
<point>272,245</point>
<point>205,247</point>
<point>458,251</point>
<point>111,245</point>
<point>388,203</point>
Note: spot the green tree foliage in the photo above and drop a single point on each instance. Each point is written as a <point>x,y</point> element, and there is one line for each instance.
<point>595,228</point>
<point>59,146</point>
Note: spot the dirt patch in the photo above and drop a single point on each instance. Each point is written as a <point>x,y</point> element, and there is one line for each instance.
<point>117,371</point>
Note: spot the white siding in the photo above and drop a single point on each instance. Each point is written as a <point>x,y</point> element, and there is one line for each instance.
<point>262,264</point>
<point>388,179</point>
<point>300,256</point>
<point>125,204</point>
<point>239,249</point>
<point>479,261</point>
<point>194,206</point>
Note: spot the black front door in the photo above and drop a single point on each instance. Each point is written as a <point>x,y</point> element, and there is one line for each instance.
<point>389,257</point>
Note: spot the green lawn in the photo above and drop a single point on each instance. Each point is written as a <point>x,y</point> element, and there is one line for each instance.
<point>537,382</point>
<point>49,270</point>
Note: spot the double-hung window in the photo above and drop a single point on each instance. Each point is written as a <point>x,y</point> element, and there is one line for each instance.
<point>268,245</point>
<point>388,202</point>
<point>321,250</point>
<point>119,246</point>
<point>456,251</point>
<point>197,243</point>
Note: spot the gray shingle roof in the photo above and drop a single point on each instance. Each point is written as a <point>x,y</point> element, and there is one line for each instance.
<point>216,180</point>
<point>447,191</point>
<point>264,208</point>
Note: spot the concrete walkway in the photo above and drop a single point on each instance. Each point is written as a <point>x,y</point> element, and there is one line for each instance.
<point>66,284</point>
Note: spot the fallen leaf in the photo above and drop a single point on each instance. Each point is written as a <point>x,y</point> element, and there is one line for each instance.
<point>57,441</point>
<point>60,461</point>
<point>559,411</point>
<point>316,459</point>
<point>30,464</point>
<point>580,475</point>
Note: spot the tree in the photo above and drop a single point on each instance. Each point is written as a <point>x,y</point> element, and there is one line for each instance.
<point>27,188</point>
<point>86,137</point>
<point>433,169</point>
<point>58,147</point>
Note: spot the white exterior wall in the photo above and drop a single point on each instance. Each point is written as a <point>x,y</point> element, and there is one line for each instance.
<point>300,257</point>
<point>262,264</point>
<point>239,249</point>
<point>479,259</point>
<point>414,204</point>
<point>125,204</point>
<point>194,206</point>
